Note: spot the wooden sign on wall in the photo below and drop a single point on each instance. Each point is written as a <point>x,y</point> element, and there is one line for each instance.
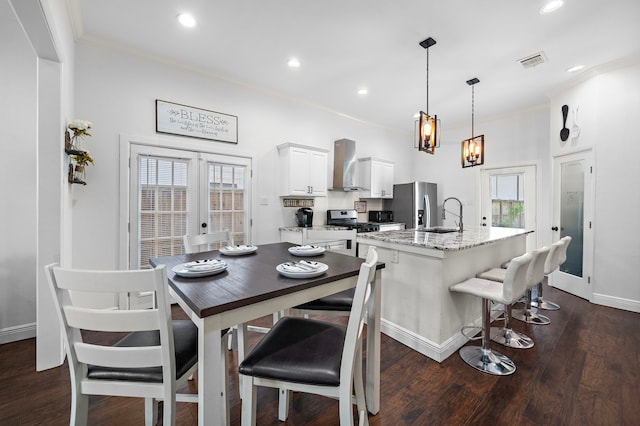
<point>200,123</point>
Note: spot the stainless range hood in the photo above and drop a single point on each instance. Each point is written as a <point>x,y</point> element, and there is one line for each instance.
<point>344,166</point>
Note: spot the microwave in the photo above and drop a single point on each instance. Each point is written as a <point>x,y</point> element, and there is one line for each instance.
<point>380,216</point>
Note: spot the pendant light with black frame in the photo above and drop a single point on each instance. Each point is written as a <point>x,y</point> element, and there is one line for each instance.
<point>472,148</point>
<point>428,132</point>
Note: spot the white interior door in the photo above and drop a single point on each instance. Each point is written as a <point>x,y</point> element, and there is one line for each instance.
<point>508,199</point>
<point>573,207</point>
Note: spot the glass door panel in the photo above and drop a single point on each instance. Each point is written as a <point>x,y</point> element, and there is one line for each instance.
<point>572,214</point>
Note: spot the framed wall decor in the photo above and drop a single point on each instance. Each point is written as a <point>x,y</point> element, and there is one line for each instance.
<point>360,206</point>
<point>177,119</point>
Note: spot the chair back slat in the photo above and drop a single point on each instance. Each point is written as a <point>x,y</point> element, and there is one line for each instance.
<point>322,236</point>
<point>105,281</point>
<point>111,319</point>
<point>119,357</point>
<point>355,325</point>
<point>515,279</point>
<point>195,243</point>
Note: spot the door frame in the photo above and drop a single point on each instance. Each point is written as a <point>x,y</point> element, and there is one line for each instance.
<point>531,215</point>
<point>581,287</point>
<point>177,143</point>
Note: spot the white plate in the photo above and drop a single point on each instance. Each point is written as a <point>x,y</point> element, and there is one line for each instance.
<point>238,250</point>
<point>306,250</point>
<point>290,272</point>
<point>199,268</point>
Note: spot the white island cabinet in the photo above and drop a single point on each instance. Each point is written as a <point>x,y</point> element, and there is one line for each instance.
<point>377,176</point>
<point>418,309</point>
<point>303,170</point>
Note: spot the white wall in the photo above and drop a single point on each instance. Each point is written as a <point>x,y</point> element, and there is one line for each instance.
<point>609,107</point>
<point>18,170</point>
<point>520,138</point>
<point>116,91</point>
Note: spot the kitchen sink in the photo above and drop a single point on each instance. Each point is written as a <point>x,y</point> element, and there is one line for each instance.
<point>440,230</point>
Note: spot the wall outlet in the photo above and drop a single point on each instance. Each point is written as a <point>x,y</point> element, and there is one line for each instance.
<point>394,256</point>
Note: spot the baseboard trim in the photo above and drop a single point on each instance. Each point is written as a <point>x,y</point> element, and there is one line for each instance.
<point>19,332</point>
<point>616,302</point>
<point>437,352</point>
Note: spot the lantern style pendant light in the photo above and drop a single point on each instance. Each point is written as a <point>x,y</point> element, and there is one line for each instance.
<point>428,126</point>
<point>473,148</point>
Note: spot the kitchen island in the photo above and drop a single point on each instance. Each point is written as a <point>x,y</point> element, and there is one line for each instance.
<point>418,309</point>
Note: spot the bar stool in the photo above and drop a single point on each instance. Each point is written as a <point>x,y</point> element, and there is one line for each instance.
<point>515,282</point>
<point>506,335</point>
<point>551,265</point>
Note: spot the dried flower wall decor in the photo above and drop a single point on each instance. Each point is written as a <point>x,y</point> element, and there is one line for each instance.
<point>79,158</point>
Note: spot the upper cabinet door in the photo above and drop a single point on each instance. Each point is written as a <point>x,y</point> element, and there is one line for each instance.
<point>303,170</point>
<point>377,177</point>
<point>318,173</point>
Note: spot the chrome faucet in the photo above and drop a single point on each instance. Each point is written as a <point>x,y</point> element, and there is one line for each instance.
<point>459,215</point>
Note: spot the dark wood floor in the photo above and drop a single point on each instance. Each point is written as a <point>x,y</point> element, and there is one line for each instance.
<point>583,370</point>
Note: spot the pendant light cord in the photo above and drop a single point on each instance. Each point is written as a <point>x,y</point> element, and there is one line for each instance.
<point>473,101</point>
<point>427,81</point>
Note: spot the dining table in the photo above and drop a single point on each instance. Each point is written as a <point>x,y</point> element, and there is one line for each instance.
<point>249,288</point>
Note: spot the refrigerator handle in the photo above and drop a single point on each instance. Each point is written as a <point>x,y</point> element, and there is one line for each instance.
<point>427,212</point>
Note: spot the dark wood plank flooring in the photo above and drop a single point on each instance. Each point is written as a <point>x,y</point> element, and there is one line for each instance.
<point>583,370</point>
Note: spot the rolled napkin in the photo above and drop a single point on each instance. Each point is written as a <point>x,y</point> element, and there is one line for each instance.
<point>308,247</point>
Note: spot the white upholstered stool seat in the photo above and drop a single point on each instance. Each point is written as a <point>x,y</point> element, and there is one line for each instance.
<point>515,282</point>
<point>506,335</point>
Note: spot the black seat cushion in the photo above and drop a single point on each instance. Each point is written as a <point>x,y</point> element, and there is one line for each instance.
<point>185,339</point>
<point>298,350</point>
<point>335,302</point>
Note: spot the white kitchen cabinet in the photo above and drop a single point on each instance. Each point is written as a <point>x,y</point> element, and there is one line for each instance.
<point>377,176</point>
<point>303,170</point>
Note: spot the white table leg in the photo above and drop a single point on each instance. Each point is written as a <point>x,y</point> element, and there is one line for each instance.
<point>373,347</point>
<point>212,389</point>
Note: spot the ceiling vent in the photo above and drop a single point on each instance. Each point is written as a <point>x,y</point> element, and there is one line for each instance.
<point>533,60</point>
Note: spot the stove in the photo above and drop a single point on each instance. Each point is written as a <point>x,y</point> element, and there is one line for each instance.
<point>349,218</point>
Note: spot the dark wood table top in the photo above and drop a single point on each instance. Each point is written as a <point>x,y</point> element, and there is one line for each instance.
<point>250,278</point>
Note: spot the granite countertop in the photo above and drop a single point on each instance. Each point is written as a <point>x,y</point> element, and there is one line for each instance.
<point>315,228</point>
<point>448,241</point>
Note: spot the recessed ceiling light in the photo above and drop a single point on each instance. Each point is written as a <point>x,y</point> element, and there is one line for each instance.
<point>363,91</point>
<point>552,6</point>
<point>575,68</point>
<point>187,20</point>
<point>293,63</point>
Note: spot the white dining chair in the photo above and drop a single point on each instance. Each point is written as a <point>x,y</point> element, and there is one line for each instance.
<point>154,358</point>
<point>305,355</point>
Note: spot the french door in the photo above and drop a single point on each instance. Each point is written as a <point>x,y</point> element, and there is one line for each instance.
<point>573,207</point>
<point>174,192</point>
<point>508,199</point>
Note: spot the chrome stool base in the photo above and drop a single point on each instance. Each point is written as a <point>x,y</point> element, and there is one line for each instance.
<point>511,338</point>
<point>487,361</point>
<point>540,303</point>
<point>530,317</point>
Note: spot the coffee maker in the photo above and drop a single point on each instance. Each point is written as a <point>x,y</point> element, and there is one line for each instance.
<point>304,217</point>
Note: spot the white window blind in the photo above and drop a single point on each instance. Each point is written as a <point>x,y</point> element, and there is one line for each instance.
<point>163,213</point>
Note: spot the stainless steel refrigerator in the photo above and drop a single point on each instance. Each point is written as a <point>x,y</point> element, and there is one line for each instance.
<point>415,204</point>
